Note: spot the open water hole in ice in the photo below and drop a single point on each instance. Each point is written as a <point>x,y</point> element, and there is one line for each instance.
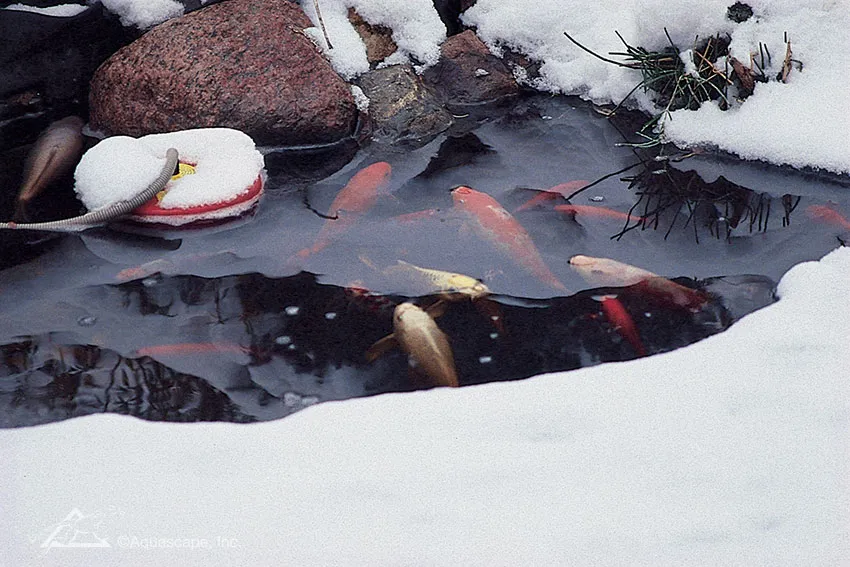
<point>230,322</point>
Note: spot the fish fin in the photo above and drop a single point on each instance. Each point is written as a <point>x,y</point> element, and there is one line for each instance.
<point>437,309</point>
<point>381,347</point>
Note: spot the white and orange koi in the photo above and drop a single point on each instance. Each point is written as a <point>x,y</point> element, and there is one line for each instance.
<point>608,272</point>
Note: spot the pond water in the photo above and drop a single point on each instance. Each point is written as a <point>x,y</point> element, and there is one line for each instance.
<point>231,323</point>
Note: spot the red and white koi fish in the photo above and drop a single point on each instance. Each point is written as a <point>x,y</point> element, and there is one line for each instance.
<point>589,210</point>
<point>828,215</point>
<point>561,190</point>
<point>496,225</point>
<point>56,152</point>
<point>352,202</point>
<point>622,322</point>
<point>608,272</point>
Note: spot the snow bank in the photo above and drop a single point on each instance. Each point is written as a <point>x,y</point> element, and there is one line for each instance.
<point>801,123</point>
<point>733,450</point>
<point>226,164</point>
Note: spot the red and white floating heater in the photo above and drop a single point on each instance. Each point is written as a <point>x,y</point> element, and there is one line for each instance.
<point>221,175</point>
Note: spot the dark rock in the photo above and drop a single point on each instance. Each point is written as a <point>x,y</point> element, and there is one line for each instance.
<point>468,73</point>
<point>401,107</point>
<point>245,65</point>
<point>739,12</point>
<point>46,63</point>
<point>378,39</point>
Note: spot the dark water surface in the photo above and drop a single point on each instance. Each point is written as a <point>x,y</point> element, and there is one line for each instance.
<point>229,323</point>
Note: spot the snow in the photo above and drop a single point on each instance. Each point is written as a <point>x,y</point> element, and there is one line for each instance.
<point>733,450</point>
<point>144,14</point>
<point>60,11</point>
<point>417,31</point>
<point>226,164</point>
<point>802,123</point>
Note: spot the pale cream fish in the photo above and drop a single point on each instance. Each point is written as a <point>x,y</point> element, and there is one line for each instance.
<point>427,347</point>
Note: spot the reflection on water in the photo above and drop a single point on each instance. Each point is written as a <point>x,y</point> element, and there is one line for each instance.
<point>225,323</point>
<point>41,381</point>
<point>248,347</point>
<point>720,208</point>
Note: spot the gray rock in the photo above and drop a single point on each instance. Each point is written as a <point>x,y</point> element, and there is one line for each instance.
<point>402,108</point>
<point>240,64</point>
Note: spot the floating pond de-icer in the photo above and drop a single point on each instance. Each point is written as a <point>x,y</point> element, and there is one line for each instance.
<point>220,175</point>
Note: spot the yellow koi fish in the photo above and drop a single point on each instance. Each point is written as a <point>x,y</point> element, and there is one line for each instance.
<point>450,285</point>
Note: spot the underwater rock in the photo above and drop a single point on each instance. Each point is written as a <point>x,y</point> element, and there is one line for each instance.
<point>468,73</point>
<point>401,107</point>
<point>245,65</point>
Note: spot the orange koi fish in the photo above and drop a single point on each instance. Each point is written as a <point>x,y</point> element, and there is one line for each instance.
<point>189,349</point>
<point>561,190</point>
<point>597,212</point>
<point>828,215</point>
<point>622,322</point>
<point>499,227</point>
<point>352,202</point>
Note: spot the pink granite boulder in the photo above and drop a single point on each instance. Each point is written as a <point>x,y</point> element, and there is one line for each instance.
<point>243,64</point>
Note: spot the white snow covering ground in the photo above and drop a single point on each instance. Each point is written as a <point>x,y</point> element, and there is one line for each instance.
<point>226,164</point>
<point>732,451</point>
